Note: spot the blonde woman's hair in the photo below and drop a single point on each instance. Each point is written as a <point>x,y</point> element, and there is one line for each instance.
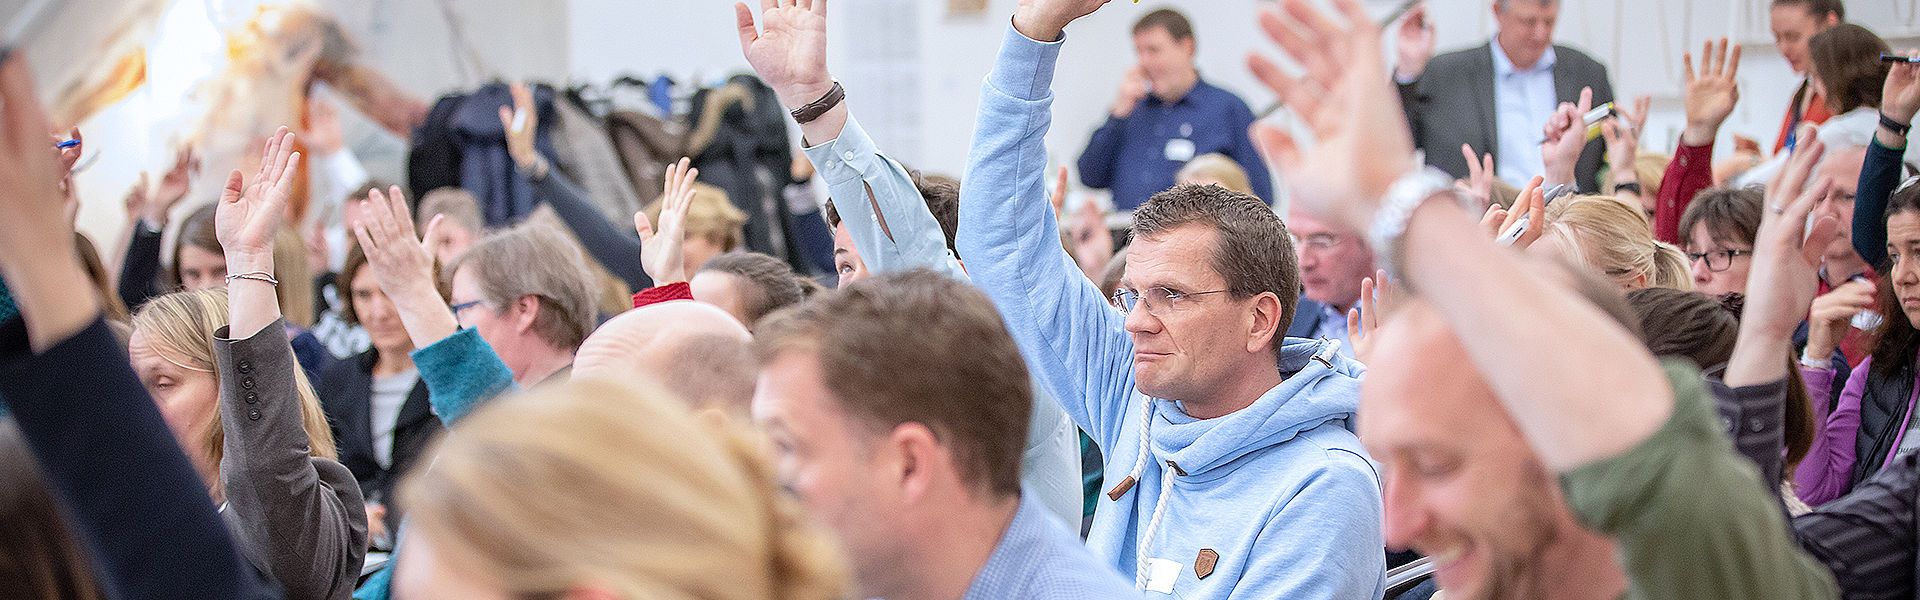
<point>1216,167</point>
<point>594,483</point>
<point>181,326</point>
<point>295,291</point>
<point>712,216</point>
<point>1613,239</point>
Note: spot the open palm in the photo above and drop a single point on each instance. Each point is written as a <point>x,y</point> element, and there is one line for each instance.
<point>789,51</point>
<point>1712,91</point>
<point>249,214</point>
<point>1901,95</point>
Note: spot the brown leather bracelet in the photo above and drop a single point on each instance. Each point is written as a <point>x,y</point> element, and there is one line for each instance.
<point>813,110</point>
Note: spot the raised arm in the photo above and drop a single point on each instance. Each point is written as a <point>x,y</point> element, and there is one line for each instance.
<point>128,491</point>
<point>459,368</point>
<point>303,519</point>
<point>1073,339</point>
<point>1883,169</point>
<point>876,198</point>
<point>610,245</point>
<point>1593,404</point>
<point>1710,97</point>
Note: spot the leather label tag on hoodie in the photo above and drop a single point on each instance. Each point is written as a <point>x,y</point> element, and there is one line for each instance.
<point>1203,566</point>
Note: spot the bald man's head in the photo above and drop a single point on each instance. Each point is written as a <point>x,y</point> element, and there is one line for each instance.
<point>695,350</point>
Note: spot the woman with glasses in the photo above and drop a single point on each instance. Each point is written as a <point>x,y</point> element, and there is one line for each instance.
<point>1717,232</point>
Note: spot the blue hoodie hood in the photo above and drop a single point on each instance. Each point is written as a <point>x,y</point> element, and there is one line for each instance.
<point>1321,386</point>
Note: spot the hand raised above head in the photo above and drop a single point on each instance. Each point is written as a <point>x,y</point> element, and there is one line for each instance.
<point>662,251</point>
<point>1044,20</point>
<point>1712,91</point>
<point>1345,100</point>
<point>249,214</point>
<point>521,123</point>
<point>788,50</point>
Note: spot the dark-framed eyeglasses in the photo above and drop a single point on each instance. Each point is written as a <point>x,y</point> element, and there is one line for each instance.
<point>1159,301</point>
<point>1718,260</point>
<point>458,308</point>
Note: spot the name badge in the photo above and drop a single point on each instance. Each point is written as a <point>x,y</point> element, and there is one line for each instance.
<point>1179,150</point>
<point>1160,575</point>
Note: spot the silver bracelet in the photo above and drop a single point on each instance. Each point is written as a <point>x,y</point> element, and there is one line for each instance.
<point>261,276</point>
<point>1396,210</point>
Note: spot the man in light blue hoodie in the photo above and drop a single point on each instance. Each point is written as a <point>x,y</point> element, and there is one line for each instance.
<point>886,226</point>
<point>1242,480</point>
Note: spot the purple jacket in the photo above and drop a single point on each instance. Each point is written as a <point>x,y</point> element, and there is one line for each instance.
<point>1826,473</point>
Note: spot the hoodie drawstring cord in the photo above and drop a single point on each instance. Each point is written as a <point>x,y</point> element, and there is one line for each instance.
<point>1139,468</point>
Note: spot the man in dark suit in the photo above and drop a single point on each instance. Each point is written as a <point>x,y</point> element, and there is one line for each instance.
<point>1496,97</point>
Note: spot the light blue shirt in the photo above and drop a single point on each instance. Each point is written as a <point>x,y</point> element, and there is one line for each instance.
<point>912,239</point>
<point>1522,99</point>
<point>1038,559</point>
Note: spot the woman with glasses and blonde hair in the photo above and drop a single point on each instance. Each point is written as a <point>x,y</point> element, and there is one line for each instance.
<point>588,489</point>
<point>227,384</point>
<point>1612,239</point>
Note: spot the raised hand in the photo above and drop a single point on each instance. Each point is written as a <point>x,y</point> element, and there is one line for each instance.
<point>520,123</point>
<point>1566,135</point>
<point>1413,43</point>
<point>1531,205</point>
<point>1363,321</point>
<point>37,257</point>
<point>1622,134</point>
<point>1363,140</point>
<point>661,251</point>
<point>1711,91</point>
<point>789,50</point>
<point>152,203</point>
<point>1044,20</point>
<point>1479,181</point>
<point>250,214</point>
<point>1092,242</point>
<point>1059,196</point>
<point>1900,98</point>
<point>403,266</point>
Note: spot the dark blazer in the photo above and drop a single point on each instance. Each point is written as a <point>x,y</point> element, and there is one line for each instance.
<point>346,391</point>
<point>1306,319</point>
<point>1452,104</point>
<point>125,487</point>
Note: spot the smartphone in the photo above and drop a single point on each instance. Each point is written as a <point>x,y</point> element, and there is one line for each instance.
<point>1895,58</point>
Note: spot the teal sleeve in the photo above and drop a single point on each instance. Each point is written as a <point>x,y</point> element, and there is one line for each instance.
<point>461,372</point>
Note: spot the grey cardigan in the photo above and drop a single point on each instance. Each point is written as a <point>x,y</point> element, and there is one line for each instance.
<point>299,519</point>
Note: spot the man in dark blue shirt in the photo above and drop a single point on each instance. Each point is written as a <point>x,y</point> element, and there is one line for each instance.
<point>1165,117</point>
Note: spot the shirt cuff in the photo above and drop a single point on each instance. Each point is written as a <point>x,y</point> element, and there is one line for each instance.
<point>1024,69</point>
<point>679,290</point>
<point>844,159</point>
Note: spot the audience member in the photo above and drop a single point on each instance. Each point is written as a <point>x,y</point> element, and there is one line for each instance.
<point>1632,447</point>
<point>1868,424</point>
<point>525,291</point>
<point>1167,115</point>
<point>1612,239</point>
<point>595,490</point>
<point>1717,233</point>
<point>239,403</point>
<point>1794,22</point>
<point>909,447</point>
<point>128,490</point>
<point>748,285</point>
<point>697,351</point>
<point>898,220</point>
<point>45,556</point>
<point>1181,385</point>
<point>1332,263</point>
<point>1497,97</point>
<point>375,401</point>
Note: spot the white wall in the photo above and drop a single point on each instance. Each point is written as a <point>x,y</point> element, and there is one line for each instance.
<point>929,108</point>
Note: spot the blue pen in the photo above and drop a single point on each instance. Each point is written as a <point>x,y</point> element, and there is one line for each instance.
<point>66,144</point>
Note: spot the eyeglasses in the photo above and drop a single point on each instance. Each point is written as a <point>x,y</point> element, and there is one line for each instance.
<point>1717,261</point>
<point>1318,241</point>
<point>1158,300</point>
<point>457,308</point>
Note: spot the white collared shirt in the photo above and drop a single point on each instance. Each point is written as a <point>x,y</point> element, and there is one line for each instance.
<point>1522,100</point>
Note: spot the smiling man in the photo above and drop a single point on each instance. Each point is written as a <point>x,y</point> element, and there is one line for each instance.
<point>1462,484</point>
<point>1231,468</point>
